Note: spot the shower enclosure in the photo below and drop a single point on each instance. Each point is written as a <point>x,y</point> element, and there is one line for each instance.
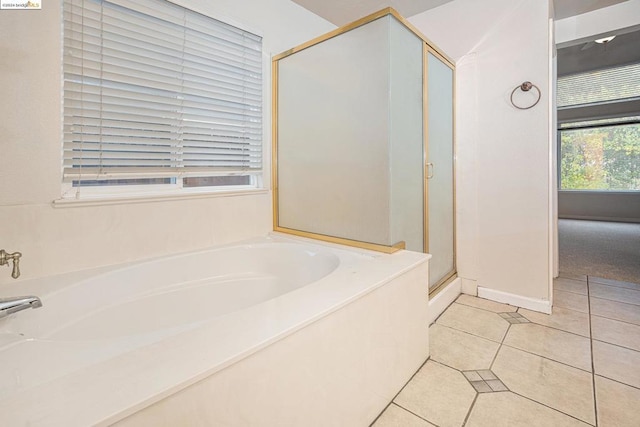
<point>363,144</point>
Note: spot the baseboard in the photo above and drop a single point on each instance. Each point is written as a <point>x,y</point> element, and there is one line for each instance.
<point>600,218</point>
<point>543,306</point>
<point>443,299</point>
<point>470,287</point>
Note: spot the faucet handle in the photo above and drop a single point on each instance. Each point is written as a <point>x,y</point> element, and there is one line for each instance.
<point>15,257</point>
<point>15,273</point>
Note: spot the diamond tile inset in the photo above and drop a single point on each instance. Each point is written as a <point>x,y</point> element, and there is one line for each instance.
<point>481,386</point>
<point>484,381</point>
<point>497,385</point>
<point>486,374</point>
<point>514,318</point>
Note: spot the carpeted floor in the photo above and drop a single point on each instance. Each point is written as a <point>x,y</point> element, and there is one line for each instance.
<point>604,249</point>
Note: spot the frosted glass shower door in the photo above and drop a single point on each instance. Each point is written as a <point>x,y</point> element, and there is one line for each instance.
<point>350,146</point>
<point>440,171</point>
<point>333,109</point>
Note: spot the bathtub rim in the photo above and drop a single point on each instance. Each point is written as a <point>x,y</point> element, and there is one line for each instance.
<point>316,264</point>
<point>143,388</point>
<point>56,283</point>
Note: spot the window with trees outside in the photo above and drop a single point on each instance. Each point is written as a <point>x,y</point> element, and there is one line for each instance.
<point>158,98</point>
<point>601,152</point>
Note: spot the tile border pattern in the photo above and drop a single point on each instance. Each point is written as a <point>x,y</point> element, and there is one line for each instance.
<point>514,318</point>
<point>484,381</point>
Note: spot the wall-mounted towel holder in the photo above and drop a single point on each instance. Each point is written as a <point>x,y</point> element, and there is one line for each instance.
<point>526,87</point>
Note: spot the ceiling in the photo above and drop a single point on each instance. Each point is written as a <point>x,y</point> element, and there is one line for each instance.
<point>341,12</point>
<point>582,56</point>
<point>590,56</point>
<point>566,8</point>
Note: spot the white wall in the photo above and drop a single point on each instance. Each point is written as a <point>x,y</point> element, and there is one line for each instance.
<point>575,29</point>
<point>55,240</point>
<point>503,154</point>
<point>600,205</point>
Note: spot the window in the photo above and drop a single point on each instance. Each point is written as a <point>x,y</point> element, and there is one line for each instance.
<point>599,130</point>
<point>158,97</point>
<point>601,158</point>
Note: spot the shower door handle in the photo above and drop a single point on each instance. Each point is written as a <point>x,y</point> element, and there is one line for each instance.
<point>429,170</point>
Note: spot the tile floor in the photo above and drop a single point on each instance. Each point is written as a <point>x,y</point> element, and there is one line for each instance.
<point>493,364</point>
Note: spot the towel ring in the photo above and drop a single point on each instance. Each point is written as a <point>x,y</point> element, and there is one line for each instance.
<point>526,87</point>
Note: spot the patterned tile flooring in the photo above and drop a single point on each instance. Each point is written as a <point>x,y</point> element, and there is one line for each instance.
<point>495,365</point>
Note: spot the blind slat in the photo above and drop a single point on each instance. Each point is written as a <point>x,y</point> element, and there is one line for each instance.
<point>154,90</point>
<point>90,174</point>
<point>599,86</point>
<point>223,98</point>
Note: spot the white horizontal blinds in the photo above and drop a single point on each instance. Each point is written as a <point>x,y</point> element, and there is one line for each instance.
<point>153,90</point>
<point>599,86</point>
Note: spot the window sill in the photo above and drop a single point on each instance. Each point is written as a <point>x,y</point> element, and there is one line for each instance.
<point>113,199</point>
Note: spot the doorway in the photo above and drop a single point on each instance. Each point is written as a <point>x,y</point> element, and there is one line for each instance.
<point>599,157</point>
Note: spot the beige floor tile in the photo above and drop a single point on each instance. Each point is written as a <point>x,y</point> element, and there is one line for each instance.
<point>559,386</point>
<point>485,304</point>
<point>570,300</point>
<point>615,332</point>
<point>561,318</point>
<point>460,350</point>
<point>574,276</point>
<point>570,285</point>
<point>617,283</point>
<point>475,321</point>
<point>394,416</point>
<point>617,363</point>
<point>551,343</point>
<point>438,394</point>
<point>614,293</point>
<point>615,310</point>
<point>618,404</point>
<point>511,410</point>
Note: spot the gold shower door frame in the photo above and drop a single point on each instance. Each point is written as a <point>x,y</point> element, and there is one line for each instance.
<point>426,50</point>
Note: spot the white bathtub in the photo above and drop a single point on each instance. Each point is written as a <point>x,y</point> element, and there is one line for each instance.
<point>209,334</point>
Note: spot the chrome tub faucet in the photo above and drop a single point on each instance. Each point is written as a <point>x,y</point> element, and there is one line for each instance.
<point>5,257</point>
<point>14,304</point>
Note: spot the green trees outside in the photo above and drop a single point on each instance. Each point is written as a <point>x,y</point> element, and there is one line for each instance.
<point>604,158</point>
